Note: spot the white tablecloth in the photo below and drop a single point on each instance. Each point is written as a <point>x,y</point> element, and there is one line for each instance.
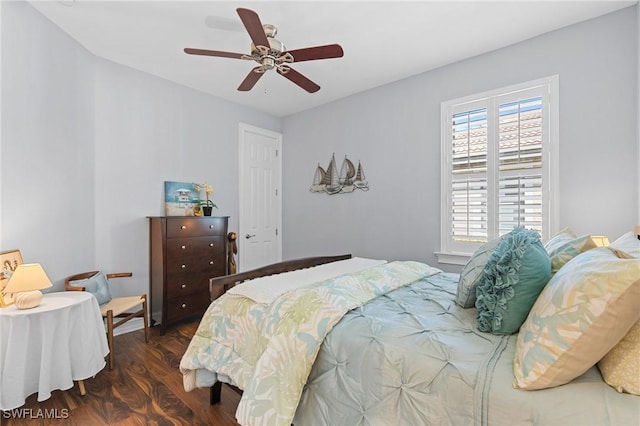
<point>48,347</point>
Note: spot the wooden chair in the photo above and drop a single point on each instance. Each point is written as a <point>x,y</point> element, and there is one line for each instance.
<point>118,307</point>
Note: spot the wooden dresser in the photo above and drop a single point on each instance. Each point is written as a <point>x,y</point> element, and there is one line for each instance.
<point>184,253</point>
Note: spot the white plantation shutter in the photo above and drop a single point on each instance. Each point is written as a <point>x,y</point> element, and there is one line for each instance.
<point>469,175</point>
<point>497,164</point>
<point>520,203</point>
<point>469,209</point>
<point>520,194</point>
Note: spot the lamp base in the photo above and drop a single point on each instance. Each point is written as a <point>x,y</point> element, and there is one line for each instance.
<point>27,299</point>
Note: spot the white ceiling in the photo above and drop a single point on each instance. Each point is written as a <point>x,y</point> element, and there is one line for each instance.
<point>383,41</point>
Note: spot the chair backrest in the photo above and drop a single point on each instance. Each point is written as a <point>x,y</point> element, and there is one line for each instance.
<point>84,275</point>
<point>75,277</point>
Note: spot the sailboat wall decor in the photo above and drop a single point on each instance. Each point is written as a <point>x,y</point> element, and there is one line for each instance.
<point>330,182</point>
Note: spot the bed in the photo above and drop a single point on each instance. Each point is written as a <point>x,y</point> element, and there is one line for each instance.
<point>386,343</point>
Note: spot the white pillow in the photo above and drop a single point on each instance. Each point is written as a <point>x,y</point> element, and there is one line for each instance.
<point>628,243</point>
<point>472,272</point>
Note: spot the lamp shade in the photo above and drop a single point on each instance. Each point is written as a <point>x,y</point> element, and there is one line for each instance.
<point>600,240</point>
<point>27,277</point>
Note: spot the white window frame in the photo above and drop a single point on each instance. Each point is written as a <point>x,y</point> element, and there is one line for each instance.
<point>457,253</point>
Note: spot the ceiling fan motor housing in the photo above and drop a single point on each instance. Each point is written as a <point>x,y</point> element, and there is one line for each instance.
<point>275,47</point>
<point>267,56</point>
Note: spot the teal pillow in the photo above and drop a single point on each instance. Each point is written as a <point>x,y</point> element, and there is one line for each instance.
<point>96,285</point>
<point>515,274</point>
<point>472,273</point>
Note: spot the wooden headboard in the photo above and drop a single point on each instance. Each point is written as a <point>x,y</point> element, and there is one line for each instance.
<point>219,285</point>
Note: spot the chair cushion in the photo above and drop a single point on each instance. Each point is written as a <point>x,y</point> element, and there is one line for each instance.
<point>121,304</point>
<point>96,285</point>
<point>516,272</point>
<point>584,311</point>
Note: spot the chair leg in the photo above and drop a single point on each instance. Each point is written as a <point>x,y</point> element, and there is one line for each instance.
<point>146,319</point>
<point>110,337</point>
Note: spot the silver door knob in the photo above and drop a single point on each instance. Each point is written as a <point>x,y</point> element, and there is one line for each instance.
<point>249,236</point>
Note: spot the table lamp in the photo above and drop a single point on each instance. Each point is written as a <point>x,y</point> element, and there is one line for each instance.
<point>25,284</point>
<point>600,240</point>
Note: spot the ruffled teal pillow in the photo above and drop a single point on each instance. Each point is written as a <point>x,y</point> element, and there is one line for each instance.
<point>515,274</point>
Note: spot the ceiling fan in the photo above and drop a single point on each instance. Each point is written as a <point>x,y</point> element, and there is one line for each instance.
<point>270,53</point>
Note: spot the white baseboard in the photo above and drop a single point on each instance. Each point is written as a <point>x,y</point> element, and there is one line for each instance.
<point>133,324</point>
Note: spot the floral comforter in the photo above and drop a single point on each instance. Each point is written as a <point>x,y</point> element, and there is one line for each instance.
<point>268,349</point>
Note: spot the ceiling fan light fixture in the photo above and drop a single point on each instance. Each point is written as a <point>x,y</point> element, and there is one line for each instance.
<point>268,63</point>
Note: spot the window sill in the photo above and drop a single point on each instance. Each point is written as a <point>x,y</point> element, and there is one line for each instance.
<point>453,258</point>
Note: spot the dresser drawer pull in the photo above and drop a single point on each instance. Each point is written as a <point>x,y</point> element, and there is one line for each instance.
<point>183,286</point>
<point>210,244</point>
<point>210,226</point>
<point>184,305</point>
<point>183,266</point>
<point>211,262</point>
<point>183,227</point>
<point>183,247</point>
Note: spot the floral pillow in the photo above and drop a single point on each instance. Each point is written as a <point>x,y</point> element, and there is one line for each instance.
<point>564,246</point>
<point>516,272</point>
<point>584,311</point>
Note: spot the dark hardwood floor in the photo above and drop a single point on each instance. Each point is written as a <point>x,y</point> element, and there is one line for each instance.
<point>144,388</point>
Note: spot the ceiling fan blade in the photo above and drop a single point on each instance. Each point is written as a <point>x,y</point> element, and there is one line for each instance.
<point>252,23</point>
<point>204,52</point>
<point>299,79</point>
<point>250,80</point>
<point>319,52</point>
<point>224,24</point>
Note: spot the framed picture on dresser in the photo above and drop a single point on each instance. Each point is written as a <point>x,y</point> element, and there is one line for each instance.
<point>9,261</point>
<point>181,198</point>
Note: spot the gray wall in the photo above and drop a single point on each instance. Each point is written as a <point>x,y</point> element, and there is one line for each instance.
<point>87,144</point>
<point>395,131</point>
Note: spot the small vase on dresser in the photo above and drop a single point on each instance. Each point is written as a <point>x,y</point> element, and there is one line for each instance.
<point>184,253</point>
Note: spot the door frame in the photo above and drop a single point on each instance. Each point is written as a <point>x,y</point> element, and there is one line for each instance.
<point>242,166</point>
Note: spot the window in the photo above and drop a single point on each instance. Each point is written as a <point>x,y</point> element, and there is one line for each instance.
<point>499,152</point>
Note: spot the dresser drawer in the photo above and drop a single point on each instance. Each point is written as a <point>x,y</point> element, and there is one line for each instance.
<point>178,227</point>
<point>209,264</point>
<point>181,248</point>
<point>183,307</point>
<point>184,284</point>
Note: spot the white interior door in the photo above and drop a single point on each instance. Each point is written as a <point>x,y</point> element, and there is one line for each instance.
<point>260,225</point>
